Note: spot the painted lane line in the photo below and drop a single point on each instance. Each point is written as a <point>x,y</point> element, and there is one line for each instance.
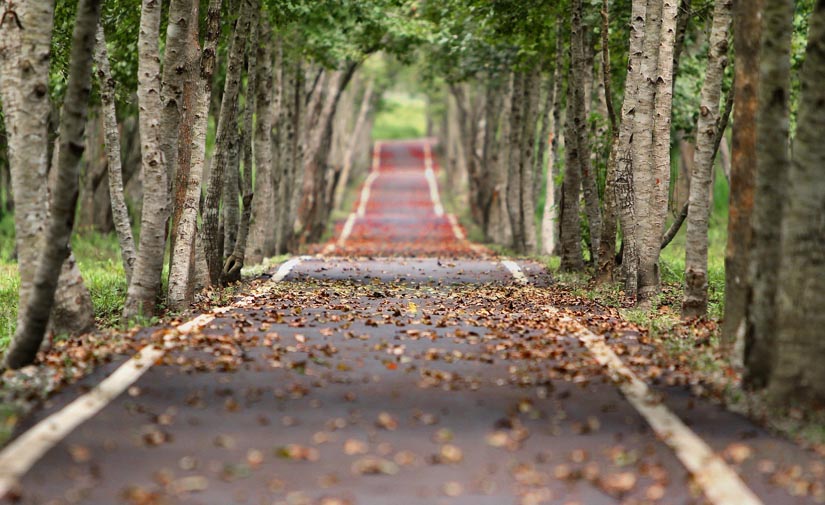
<point>431,181</point>
<point>22,453</point>
<point>457,231</point>
<point>362,204</point>
<point>718,481</point>
<point>514,269</point>
<point>286,268</point>
<point>460,235</point>
<point>376,157</point>
<point>365,193</point>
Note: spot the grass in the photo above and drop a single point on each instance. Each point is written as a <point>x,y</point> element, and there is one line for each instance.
<point>400,116</point>
<point>98,257</point>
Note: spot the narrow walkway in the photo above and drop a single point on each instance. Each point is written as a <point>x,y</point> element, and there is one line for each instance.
<point>404,366</point>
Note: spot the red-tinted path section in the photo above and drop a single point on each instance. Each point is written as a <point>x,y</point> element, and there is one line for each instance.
<point>399,211</point>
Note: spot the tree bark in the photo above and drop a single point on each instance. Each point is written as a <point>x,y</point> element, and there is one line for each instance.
<point>498,225</point>
<point>747,30</point>
<point>695,302</point>
<point>24,90</point>
<point>120,211</point>
<point>773,164</point>
<point>29,335</point>
<point>224,137</point>
<point>142,296</point>
<point>799,376</point>
<point>292,152</point>
<point>571,253</point>
<point>183,20</point>
<point>515,159</point>
<point>233,265</point>
<point>607,249</point>
<point>349,156</point>
<point>649,274</point>
<point>528,181</point>
<point>549,215</point>
<point>313,211</point>
<point>624,179</point>
<point>182,271</point>
<point>262,231</point>
<point>582,73</point>
<point>184,104</point>
<point>644,162</point>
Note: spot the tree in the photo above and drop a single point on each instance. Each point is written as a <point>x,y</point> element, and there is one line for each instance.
<point>120,212</point>
<point>773,164</point>
<point>799,375</point>
<point>747,30</point>
<point>226,134</point>
<point>29,334</point>
<point>24,89</point>
<point>624,182</point>
<point>182,268</point>
<point>695,301</point>
<point>263,231</point>
<point>144,289</point>
<point>235,261</point>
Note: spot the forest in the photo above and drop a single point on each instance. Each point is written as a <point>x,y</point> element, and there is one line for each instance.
<point>659,157</point>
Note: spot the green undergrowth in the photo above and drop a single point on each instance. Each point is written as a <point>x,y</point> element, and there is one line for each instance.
<point>98,257</point>
<point>400,116</point>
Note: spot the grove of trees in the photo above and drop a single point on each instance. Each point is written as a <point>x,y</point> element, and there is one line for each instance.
<point>572,128</point>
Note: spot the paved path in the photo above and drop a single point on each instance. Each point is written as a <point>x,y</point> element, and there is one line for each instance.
<point>407,366</point>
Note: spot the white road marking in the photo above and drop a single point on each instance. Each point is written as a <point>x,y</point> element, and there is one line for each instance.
<point>431,181</point>
<point>362,204</point>
<point>457,231</point>
<point>718,481</point>
<point>19,456</point>
<point>514,269</point>
<point>286,268</point>
<point>23,452</point>
<point>365,193</point>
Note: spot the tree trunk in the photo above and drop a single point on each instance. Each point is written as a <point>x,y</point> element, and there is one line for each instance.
<point>607,249</point>
<point>93,173</point>
<point>624,179</point>
<point>29,334</point>
<point>349,155</point>
<point>550,214</point>
<point>120,212</point>
<point>527,177</point>
<point>291,155</point>
<point>182,271</point>
<point>230,208</point>
<point>494,98</point>
<point>695,303</point>
<point>24,90</point>
<point>571,252</point>
<point>799,375</point>
<point>313,211</point>
<point>643,151</point>
<point>579,54</point>
<point>649,276</point>
<point>142,296</point>
<point>515,159</point>
<point>179,111</point>
<point>262,232</point>
<point>773,164</point>
<point>581,63</point>
<point>183,20</point>
<point>226,133</point>
<point>499,221</point>
<point>747,29</point>
<point>233,265</point>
